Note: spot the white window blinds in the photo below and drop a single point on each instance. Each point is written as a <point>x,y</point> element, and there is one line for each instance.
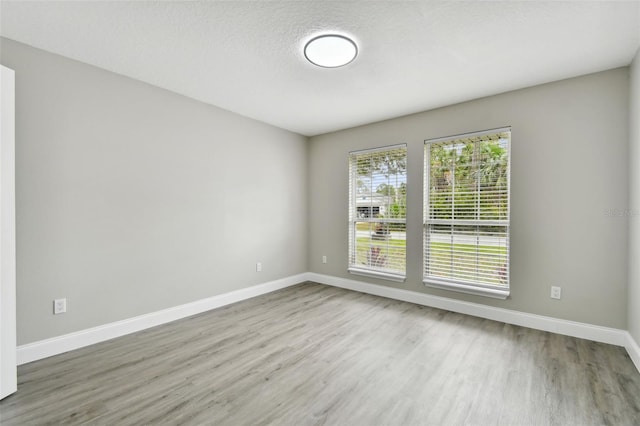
<point>377,212</point>
<point>466,213</point>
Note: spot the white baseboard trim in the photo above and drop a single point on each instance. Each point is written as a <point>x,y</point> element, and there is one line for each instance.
<point>633,350</point>
<point>596,333</point>
<point>60,344</point>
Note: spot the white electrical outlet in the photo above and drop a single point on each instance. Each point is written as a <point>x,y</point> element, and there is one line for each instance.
<point>324,259</point>
<point>59,306</point>
<point>556,292</point>
<point>259,267</point>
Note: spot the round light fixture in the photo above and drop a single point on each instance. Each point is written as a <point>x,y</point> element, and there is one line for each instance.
<point>330,51</point>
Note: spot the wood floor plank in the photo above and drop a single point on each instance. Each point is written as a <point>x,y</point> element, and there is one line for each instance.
<point>313,354</point>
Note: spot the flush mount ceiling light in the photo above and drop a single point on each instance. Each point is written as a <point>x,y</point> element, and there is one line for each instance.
<point>330,51</point>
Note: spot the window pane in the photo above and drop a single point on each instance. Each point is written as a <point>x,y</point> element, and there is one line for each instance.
<point>381,246</point>
<point>469,180</point>
<point>469,254</point>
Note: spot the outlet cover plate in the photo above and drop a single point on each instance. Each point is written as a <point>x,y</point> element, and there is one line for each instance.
<point>59,306</point>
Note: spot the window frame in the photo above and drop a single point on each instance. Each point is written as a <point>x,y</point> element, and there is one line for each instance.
<point>353,219</point>
<point>459,285</point>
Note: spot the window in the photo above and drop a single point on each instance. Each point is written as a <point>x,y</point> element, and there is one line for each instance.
<point>466,213</point>
<point>378,212</point>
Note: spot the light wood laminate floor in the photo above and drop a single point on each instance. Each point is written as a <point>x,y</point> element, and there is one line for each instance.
<point>313,354</point>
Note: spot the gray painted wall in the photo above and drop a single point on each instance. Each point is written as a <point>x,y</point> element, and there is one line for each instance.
<point>131,199</point>
<point>128,199</point>
<point>569,166</point>
<point>634,200</point>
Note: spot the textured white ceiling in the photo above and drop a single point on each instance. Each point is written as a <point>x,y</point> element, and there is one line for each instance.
<point>247,57</point>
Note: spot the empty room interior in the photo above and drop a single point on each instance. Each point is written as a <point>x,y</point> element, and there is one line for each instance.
<point>320,212</point>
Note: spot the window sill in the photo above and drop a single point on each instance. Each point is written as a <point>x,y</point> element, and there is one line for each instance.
<point>496,293</point>
<point>380,275</point>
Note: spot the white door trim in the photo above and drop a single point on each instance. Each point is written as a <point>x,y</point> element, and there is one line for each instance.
<point>8,372</point>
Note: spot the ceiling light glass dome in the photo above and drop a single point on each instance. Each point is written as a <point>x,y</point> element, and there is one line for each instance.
<point>330,51</point>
